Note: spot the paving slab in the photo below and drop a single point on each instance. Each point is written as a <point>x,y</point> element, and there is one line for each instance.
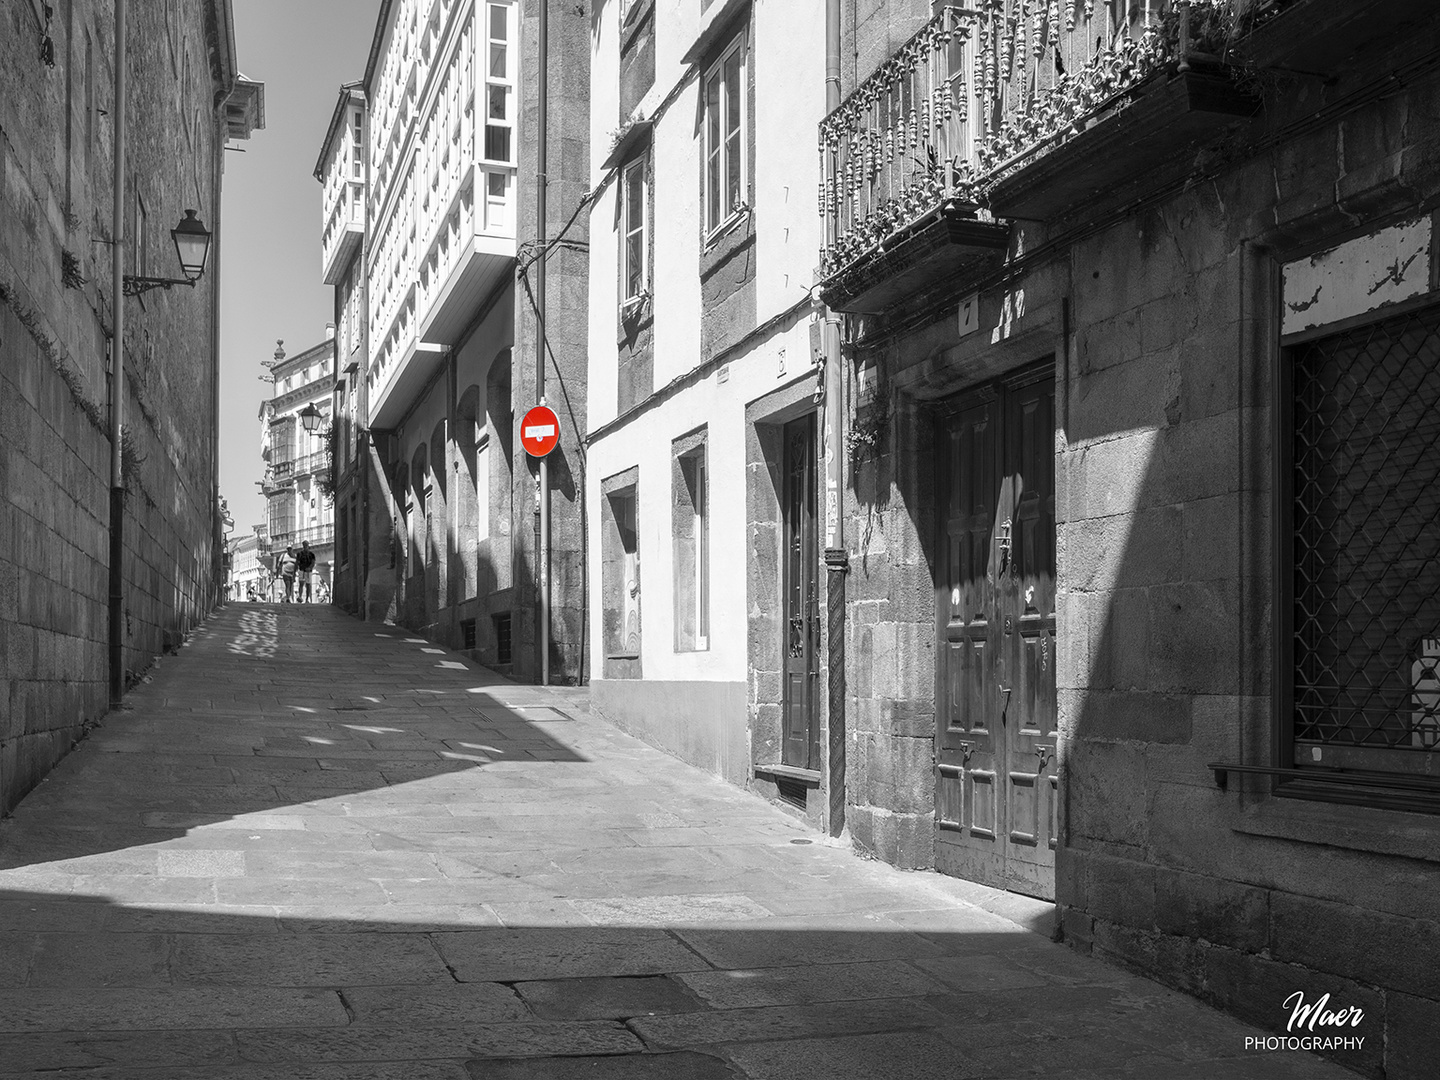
<point>608,998</point>
<point>337,860</point>
<point>682,1065</point>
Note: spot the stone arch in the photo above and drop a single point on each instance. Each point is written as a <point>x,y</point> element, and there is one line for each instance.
<point>438,457</point>
<point>500,421</point>
<point>469,491</point>
<point>417,493</point>
<point>400,488</point>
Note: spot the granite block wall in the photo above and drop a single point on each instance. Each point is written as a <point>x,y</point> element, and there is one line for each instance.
<point>55,317</point>
<point>1161,319</point>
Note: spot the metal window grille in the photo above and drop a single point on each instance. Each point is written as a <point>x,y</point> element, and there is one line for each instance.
<point>1366,557</point>
<point>502,637</point>
<point>467,633</point>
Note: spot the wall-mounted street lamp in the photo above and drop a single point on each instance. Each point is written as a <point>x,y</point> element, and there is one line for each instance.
<point>192,245</point>
<point>310,417</point>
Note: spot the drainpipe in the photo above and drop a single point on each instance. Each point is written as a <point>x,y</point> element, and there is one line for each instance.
<point>217,174</point>
<point>542,182</point>
<point>836,561</point>
<point>117,375</point>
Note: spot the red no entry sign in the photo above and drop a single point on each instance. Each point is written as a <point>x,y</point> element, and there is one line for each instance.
<point>540,431</point>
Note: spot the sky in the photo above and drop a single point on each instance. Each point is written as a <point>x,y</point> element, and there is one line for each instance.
<point>270,285</point>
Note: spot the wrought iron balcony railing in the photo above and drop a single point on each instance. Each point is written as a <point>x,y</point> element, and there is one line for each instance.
<point>306,464</point>
<point>978,95</point>
<point>1045,80</point>
<point>901,144</point>
<point>316,534</point>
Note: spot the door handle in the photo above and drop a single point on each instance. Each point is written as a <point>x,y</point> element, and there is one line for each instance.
<point>797,635</point>
<point>1004,542</point>
<point>1005,705</point>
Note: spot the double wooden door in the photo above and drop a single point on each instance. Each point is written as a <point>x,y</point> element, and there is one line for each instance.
<point>997,792</point>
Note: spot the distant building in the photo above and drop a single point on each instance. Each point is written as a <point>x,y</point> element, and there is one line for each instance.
<point>297,461</point>
<point>438,499</point>
<point>249,575</point>
<point>57,300</point>
<point>341,170</point>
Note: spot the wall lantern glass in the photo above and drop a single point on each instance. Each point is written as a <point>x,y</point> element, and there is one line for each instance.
<point>310,417</point>
<point>192,246</point>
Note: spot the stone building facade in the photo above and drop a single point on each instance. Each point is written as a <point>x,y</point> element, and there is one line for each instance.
<point>443,497</point>
<point>300,503</point>
<point>341,172</point>
<point>57,120</point>
<point>1140,512</point>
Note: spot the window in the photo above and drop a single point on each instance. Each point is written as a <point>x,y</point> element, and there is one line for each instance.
<point>142,245</point>
<point>497,200</point>
<point>725,136</point>
<point>357,144</point>
<point>634,269</point>
<point>501,624</point>
<point>499,100</point>
<point>620,575</point>
<point>1360,678</point>
<point>690,526</point>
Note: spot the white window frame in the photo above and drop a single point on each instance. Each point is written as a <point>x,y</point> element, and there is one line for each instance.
<point>702,549</point>
<point>643,230</point>
<point>726,215</point>
<point>483,119</point>
<point>357,145</point>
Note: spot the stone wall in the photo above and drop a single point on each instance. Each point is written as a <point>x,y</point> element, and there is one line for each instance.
<point>567,339</point>
<point>1163,322</point>
<point>1165,551</point>
<point>55,296</point>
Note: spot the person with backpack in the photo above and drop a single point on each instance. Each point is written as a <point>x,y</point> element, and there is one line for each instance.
<point>305,566</point>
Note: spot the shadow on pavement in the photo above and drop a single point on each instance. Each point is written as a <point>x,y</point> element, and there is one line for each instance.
<point>95,989</point>
<point>263,728</point>
<point>315,849</point>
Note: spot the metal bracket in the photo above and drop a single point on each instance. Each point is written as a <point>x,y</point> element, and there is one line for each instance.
<point>134,286</point>
<point>1005,543</point>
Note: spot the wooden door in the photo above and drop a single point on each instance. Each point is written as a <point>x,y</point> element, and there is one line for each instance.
<point>996,793</point>
<point>799,585</point>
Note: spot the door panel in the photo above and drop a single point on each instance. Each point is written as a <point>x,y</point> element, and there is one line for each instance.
<point>995,732</point>
<point>800,588</point>
<point>1030,607</point>
<point>971,843</point>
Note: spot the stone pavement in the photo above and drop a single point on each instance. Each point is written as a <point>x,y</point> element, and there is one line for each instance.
<point>312,848</point>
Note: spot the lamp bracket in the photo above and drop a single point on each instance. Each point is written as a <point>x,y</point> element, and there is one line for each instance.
<point>134,286</point>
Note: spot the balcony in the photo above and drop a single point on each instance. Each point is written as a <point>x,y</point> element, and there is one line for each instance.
<point>317,535</point>
<point>446,231</point>
<point>344,225</point>
<point>898,187</point>
<point>1118,117</point>
<point>308,464</point>
<point>1022,110</point>
<point>1318,37</point>
<point>472,251</point>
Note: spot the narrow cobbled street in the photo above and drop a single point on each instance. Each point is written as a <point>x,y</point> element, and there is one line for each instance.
<point>311,847</point>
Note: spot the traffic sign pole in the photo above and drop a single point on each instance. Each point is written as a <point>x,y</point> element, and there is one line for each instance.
<point>540,434</point>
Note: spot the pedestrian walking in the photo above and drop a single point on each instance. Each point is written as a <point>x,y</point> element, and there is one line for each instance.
<point>305,567</point>
<point>286,567</point>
